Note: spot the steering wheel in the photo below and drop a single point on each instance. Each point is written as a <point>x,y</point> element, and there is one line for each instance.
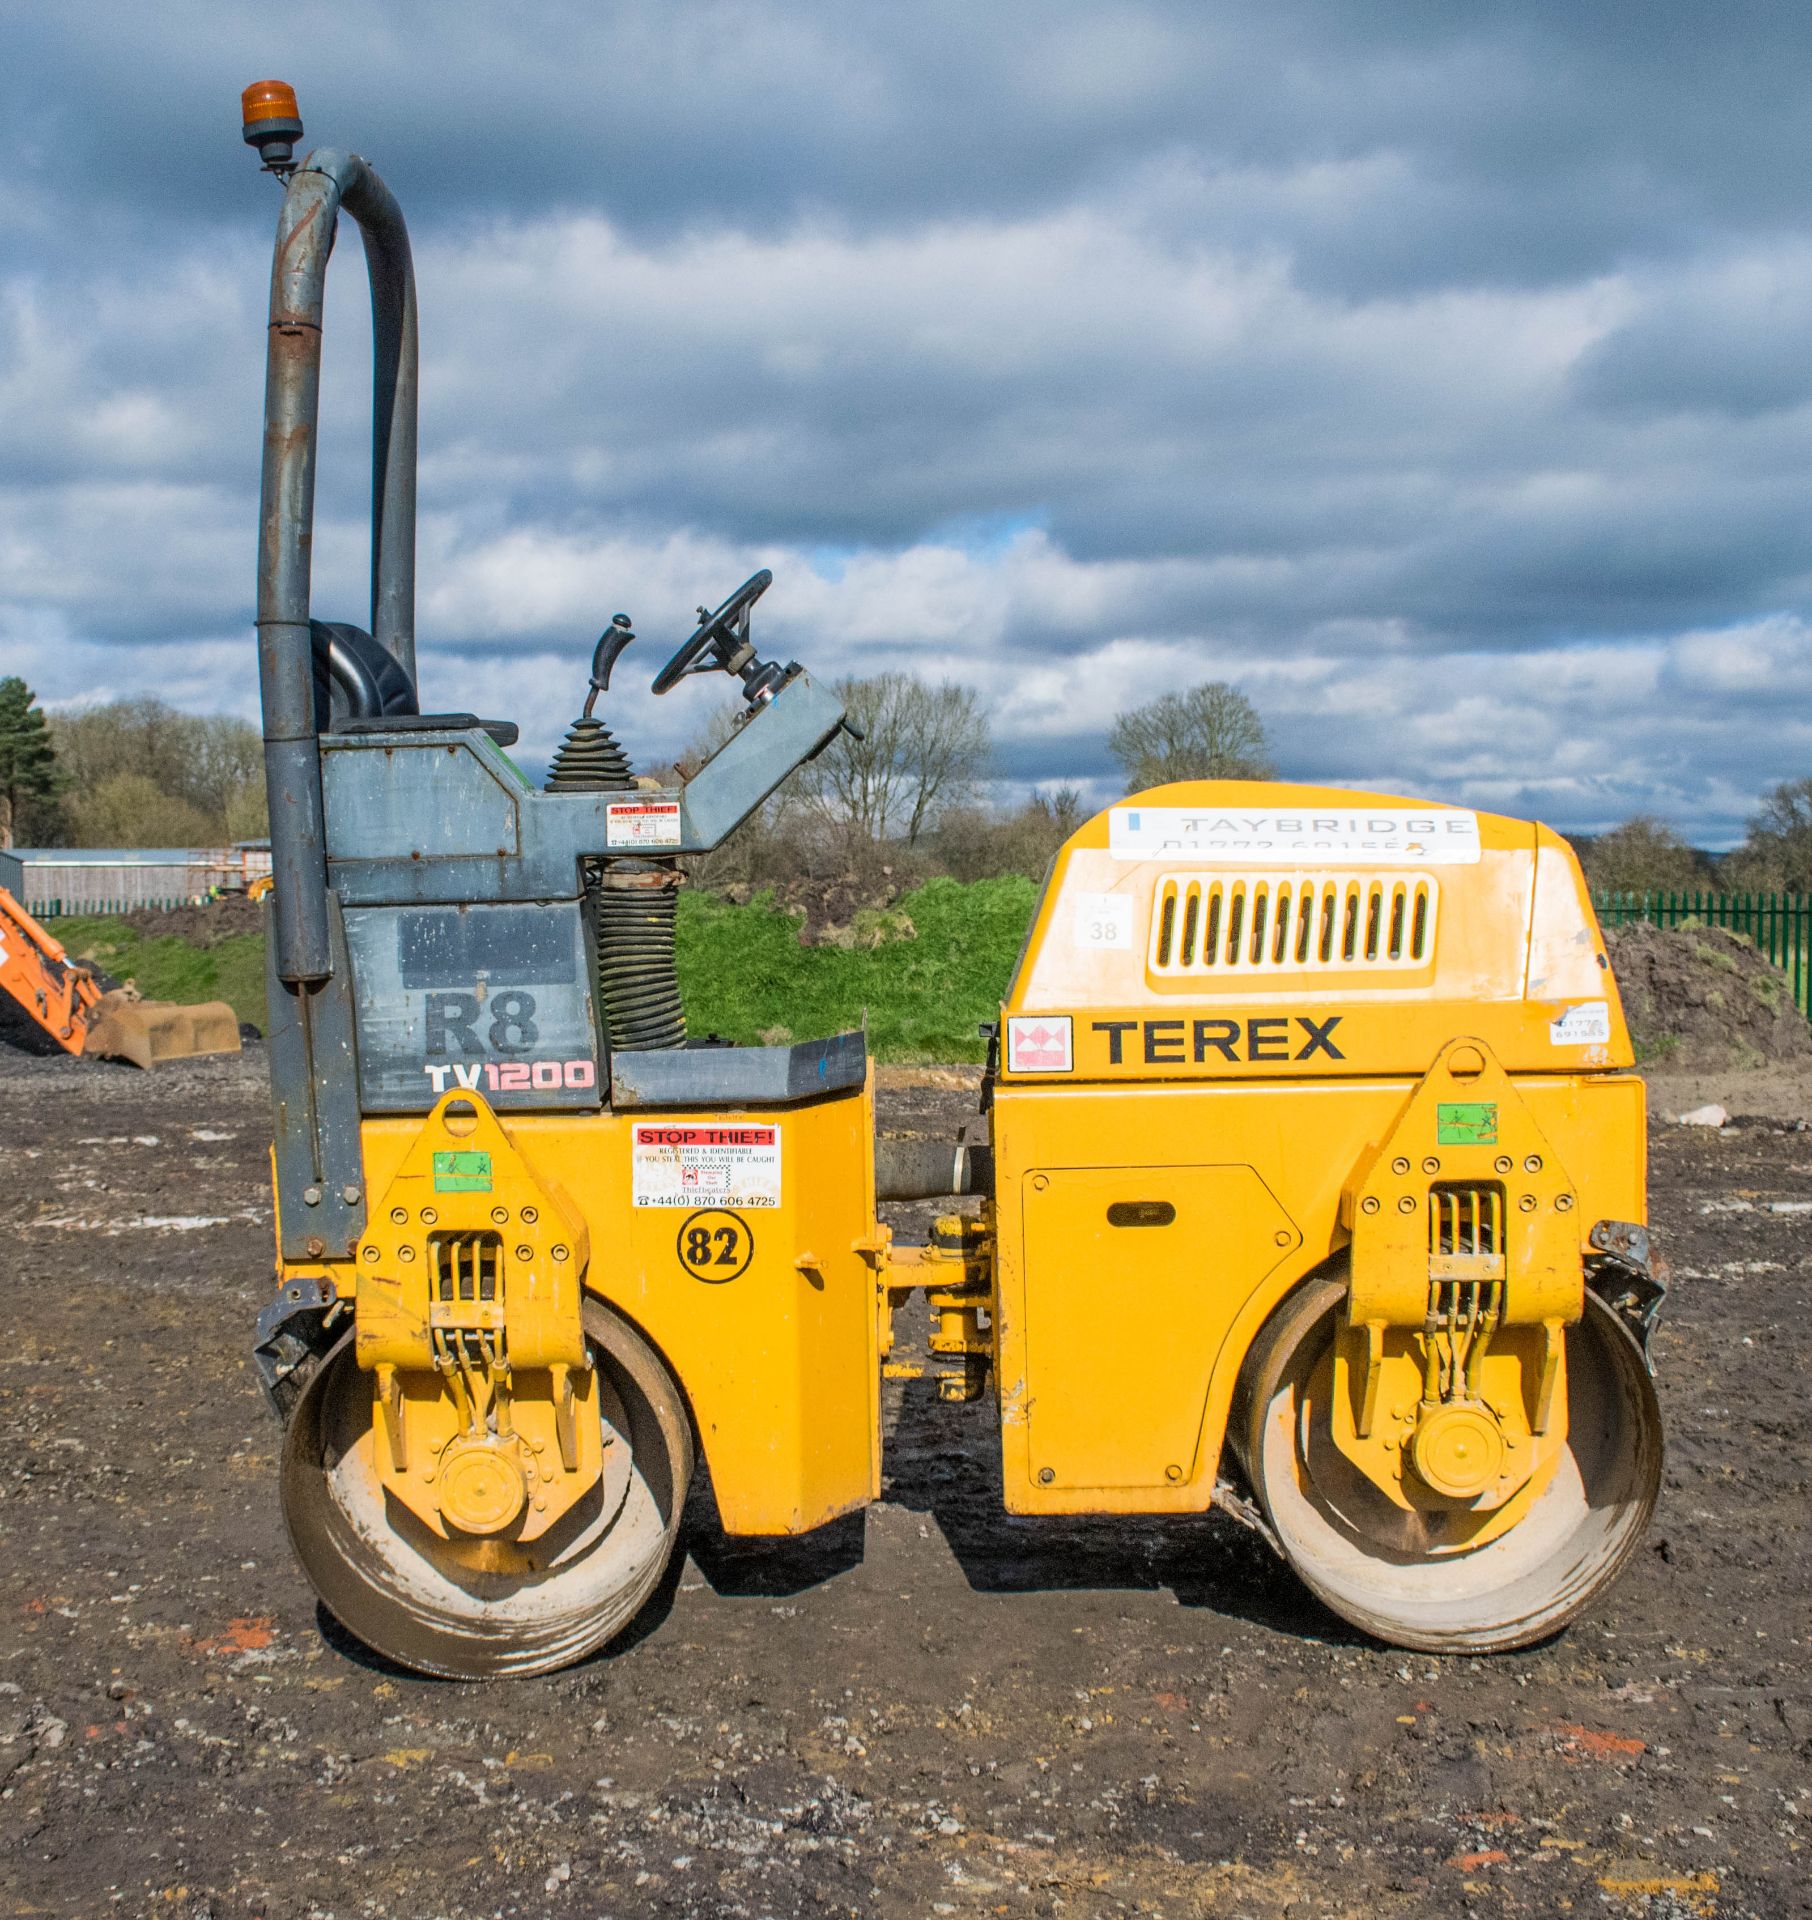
<point>724,634</point>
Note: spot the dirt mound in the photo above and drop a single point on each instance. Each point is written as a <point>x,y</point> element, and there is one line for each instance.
<point>841,910</point>
<point>1704,998</point>
<point>204,926</point>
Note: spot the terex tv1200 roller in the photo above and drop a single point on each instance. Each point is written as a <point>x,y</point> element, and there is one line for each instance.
<point>1310,1166</point>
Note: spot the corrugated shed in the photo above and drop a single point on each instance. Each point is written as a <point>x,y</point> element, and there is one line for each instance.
<point>64,880</point>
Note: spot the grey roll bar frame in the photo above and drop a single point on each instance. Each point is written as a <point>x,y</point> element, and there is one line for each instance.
<point>327,183</point>
<point>313,1038</point>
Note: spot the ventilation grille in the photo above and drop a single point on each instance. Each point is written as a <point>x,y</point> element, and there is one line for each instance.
<point>1294,924</point>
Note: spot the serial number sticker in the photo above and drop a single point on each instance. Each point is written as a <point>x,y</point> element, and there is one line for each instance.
<point>462,1172</point>
<point>696,1166</point>
<point>1466,1123</point>
<point>1103,920</point>
<point>642,823</point>
<point>1587,1025</point>
<point>715,1246</point>
<point>1374,837</point>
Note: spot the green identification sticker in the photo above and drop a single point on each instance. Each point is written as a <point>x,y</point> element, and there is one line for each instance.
<point>471,1172</point>
<point>1466,1123</point>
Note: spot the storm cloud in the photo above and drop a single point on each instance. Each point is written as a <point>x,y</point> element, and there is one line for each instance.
<point>1438,375</point>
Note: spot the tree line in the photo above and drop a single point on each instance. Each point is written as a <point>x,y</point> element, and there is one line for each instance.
<point>906,790</point>
<point>902,793</point>
<point>130,773</point>
<point>1646,855</point>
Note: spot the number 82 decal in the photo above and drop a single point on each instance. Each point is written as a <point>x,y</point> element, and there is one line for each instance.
<point>715,1245</point>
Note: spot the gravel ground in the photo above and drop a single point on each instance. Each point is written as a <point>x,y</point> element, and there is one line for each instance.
<point>942,1711</point>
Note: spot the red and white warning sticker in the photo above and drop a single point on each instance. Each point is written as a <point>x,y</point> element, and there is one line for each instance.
<point>1038,1043</point>
<point>642,823</point>
<point>695,1166</point>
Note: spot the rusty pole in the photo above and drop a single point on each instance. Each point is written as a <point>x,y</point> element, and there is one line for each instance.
<point>326,183</point>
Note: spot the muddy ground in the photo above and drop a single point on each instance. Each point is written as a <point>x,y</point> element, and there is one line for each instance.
<point>943,1712</point>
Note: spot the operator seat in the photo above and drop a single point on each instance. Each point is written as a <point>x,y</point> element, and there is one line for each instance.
<point>361,687</point>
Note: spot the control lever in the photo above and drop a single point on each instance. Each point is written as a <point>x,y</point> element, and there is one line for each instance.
<point>605,655</point>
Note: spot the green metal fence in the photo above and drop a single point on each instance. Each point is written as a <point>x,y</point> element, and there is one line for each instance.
<point>1780,924</point>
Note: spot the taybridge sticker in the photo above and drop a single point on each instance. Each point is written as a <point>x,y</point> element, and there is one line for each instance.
<point>715,1246</point>
<point>699,1166</point>
<point>1373,837</point>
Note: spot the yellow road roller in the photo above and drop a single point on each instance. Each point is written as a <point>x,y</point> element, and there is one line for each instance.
<point>1307,1177</point>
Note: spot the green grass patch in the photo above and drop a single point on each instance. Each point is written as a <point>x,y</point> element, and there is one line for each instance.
<point>169,968</point>
<point>745,975</point>
<point>924,974</point>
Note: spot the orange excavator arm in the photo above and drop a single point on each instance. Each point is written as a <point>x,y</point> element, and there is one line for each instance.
<point>57,993</point>
<point>69,1003</point>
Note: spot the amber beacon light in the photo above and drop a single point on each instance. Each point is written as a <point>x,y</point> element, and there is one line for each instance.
<point>273,123</point>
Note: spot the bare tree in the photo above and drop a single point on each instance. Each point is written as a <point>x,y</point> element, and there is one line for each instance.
<point>213,764</point>
<point>224,765</point>
<point>922,749</point>
<point>1777,855</point>
<point>1212,732</point>
<point>976,843</point>
<point>1064,810</point>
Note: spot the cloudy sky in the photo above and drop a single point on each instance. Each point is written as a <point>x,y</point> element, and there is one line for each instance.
<point>1440,374</point>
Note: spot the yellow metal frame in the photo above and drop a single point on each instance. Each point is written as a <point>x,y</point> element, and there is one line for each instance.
<point>780,1364</point>
<point>1119,1350</point>
<point>1154,1202</point>
<point>467,1317</point>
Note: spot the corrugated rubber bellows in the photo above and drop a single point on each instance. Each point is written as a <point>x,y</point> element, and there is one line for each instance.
<point>633,905</point>
<point>590,760</point>
<point>636,975</point>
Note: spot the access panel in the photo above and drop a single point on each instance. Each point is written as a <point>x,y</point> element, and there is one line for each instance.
<point>1132,1277</point>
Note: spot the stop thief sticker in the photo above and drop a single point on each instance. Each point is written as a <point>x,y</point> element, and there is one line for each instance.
<point>642,823</point>
<point>695,1166</point>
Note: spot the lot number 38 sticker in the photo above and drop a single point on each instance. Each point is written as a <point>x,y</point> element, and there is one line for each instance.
<point>715,1246</point>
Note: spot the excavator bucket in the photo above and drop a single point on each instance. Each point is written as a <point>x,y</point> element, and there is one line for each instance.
<point>150,1033</point>
<point>65,999</point>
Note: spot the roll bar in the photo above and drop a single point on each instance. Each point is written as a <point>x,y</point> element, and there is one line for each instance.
<point>326,184</point>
